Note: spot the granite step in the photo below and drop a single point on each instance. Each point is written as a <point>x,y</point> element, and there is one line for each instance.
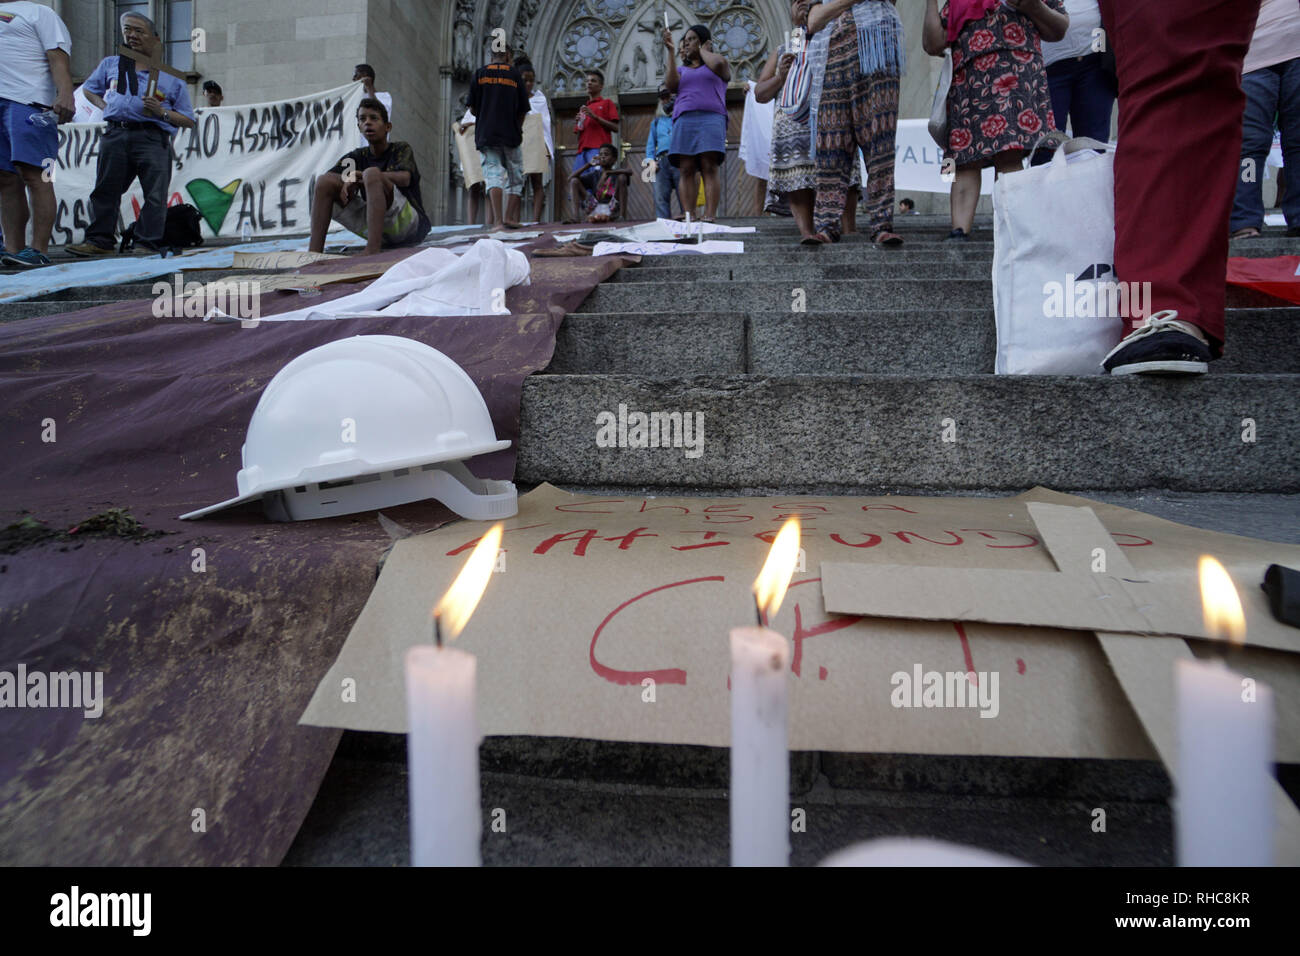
<point>791,434</point>
<point>800,295</point>
<point>873,342</point>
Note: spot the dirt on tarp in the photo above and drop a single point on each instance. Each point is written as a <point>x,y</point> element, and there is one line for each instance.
<point>29,531</point>
<point>212,635</point>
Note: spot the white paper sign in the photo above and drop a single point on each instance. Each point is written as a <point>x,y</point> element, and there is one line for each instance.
<point>255,163</point>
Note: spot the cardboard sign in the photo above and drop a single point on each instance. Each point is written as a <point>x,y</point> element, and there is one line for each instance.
<point>279,260</point>
<point>610,616</point>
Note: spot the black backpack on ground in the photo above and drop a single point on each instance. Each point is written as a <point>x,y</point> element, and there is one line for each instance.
<point>180,231</point>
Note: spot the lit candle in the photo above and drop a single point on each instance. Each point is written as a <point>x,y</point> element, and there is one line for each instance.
<point>442,728</point>
<point>1224,784</point>
<point>760,753</point>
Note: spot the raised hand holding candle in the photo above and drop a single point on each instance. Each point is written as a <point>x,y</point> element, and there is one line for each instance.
<point>760,753</point>
<point>442,727</point>
<point>1223,785</point>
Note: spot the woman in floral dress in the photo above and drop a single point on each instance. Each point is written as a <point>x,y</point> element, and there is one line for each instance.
<point>1000,103</point>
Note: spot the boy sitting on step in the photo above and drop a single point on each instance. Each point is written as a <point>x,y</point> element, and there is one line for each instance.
<point>611,191</point>
<point>374,191</point>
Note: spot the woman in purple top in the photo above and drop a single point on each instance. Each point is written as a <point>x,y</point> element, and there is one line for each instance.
<point>699,142</point>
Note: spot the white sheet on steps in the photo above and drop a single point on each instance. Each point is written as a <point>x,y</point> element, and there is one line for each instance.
<point>432,282</point>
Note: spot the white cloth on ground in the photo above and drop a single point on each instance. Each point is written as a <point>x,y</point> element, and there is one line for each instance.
<point>706,248</point>
<point>432,282</point>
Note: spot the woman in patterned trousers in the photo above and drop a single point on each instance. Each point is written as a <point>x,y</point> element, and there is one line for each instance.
<point>854,104</point>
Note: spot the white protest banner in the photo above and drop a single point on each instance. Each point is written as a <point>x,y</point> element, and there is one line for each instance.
<point>918,162</point>
<point>256,163</point>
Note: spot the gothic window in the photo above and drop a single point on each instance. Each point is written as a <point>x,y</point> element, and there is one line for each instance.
<point>738,35</point>
<point>587,44</point>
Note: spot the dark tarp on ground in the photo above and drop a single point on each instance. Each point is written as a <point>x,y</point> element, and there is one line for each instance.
<point>205,674</point>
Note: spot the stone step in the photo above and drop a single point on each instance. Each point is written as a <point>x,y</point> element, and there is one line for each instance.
<point>114,293</point>
<point>949,342</point>
<point>811,271</point>
<point>885,432</point>
<point>799,256</point>
<point>854,252</point>
<point>708,768</point>
<point>17,311</point>
<point>822,295</point>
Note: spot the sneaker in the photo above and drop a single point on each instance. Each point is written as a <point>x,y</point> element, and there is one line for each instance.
<point>29,258</point>
<point>88,250</point>
<point>958,235</point>
<point>1163,346</point>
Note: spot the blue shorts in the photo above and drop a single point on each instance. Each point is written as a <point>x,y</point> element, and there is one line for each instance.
<point>24,142</point>
<point>503,169</point>
<point>591,178</point>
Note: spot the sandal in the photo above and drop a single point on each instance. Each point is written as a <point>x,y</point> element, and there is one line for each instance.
<point>1250,232</point>
<point>886,239</point>
<point>815,240</point>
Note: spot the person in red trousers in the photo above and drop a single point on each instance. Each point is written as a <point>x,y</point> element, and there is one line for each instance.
<point>1180,107</point>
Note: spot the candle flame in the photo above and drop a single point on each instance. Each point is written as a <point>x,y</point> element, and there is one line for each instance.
<point>1220,603</point>
<point>771,584</point>
<point>456,606</point>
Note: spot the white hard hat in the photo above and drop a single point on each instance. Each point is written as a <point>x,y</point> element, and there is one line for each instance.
<point>369,422</point>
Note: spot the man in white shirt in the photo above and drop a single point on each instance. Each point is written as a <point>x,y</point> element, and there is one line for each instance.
<point>35,96</point>
<point>538,146</point>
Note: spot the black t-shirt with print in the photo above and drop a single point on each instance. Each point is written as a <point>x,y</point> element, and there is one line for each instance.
<point>497,97</point>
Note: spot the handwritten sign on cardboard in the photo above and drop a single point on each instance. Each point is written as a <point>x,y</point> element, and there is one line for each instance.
<point>1095,590</point>
<point>291,259</point>
<point>610,618</point>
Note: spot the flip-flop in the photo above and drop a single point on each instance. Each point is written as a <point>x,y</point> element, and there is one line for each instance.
<point>887,239</point>
<point>1250,232</point>
<point>811,240</point>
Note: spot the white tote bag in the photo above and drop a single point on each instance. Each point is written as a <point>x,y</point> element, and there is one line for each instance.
<point>1058,307</point>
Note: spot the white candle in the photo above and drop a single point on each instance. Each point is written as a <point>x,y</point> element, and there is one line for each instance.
<point>666,20</point>
<point>760,751</point>
<point>442,756</point>
<point>442,737</point>
<point>1223,785</point>
<point>760,754</point>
